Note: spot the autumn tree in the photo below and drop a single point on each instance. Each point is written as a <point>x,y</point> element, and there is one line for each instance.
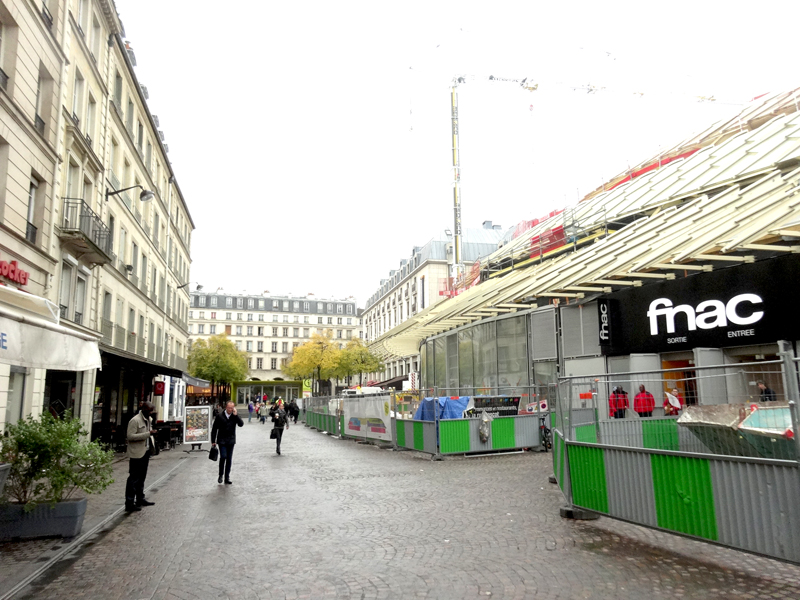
<point>217,360</point>
<point>356,359</point>
<point>317,359</point>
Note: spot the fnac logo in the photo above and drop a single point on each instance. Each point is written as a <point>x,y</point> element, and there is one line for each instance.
<point>707,315</point>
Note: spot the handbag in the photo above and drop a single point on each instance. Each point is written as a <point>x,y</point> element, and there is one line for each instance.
<point>213,454</point>
<point>273,435</point>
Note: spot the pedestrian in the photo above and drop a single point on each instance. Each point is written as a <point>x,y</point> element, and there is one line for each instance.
<point>673,403</point>
<point>263,410</point>
<point>250,408</point>
<point>223,433</point>
<point>618,403</point>
<point>293,410</point>
<point>644,402</point>
<point>766,395</point>
<point>280,420</point>
<point>140,447</point>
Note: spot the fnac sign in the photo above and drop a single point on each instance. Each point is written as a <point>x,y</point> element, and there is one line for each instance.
<point>12,271</point>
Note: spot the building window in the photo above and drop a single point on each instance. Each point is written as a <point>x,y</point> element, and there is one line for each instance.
<point>213,300</point>
<point>238,344</point>
<point>319,320</point>
<point>251,303</point>
<point>202,300</point>
<point>305,306</point>
<point>295,346</point>
<point>201,328</point>
<point>228,316</point>
<point>285,318</point>
<point>212,329</point>
<point>260,346</point>
<point>238,330</point>
<point>228,303</point>
<point>319,307</point>
<point>249,330</point>
<point>339,308</point>
<point>249,316</point>
<point>285,332</point>
<point>330,308</point>
<point>330,320</point>
<point>305,332</point>
<point>249,346</point>
<point>349,309</point>
<point>260,304</point>
<point>339,333</point>
<point>296,332</point>
<point>285,347</point>
<point>260,332</point>
<point>274,346</point>
<point>338,320</point>
<point>240,303</point>
<point>202,314</point>
<point>295,305</point>
<point>213,315</point>
<point>16,393</point>
<point>349,321</point>
<point>274,332</point>
<point>261,317</point>
<point>273,363</point>
<point>259,363</point>
<point>274,318</point>
<point>305,320</point>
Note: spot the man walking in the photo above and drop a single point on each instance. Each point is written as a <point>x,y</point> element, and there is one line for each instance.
<point>140,446</point>
<point>279,420</point>
<point>223,432</point>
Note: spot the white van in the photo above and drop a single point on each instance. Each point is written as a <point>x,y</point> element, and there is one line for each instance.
<point>361,391</point>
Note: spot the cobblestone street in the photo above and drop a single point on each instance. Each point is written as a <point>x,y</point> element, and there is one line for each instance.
<point>337,519</point>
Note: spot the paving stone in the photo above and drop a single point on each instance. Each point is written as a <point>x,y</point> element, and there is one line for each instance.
<point>334,519</point>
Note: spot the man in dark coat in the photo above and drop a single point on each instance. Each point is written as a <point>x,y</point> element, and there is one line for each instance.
<point>280,420</point>
<point>223,432</point>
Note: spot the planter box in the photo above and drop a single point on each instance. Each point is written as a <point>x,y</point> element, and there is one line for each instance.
<point>4,469</point>
<point>65,519</point>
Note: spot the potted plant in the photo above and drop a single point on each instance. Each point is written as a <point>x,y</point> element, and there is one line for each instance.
<point>51,460</point>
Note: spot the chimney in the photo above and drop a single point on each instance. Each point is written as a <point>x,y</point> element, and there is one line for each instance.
<point>487,224</point>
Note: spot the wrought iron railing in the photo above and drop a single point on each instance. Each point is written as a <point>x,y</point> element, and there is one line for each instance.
<point>47,16</point>
<point>78,216</point>
<point>119,337</point>
<point>114,180</point>
<point>78,318</point>
<point>107,329</point>
<point>63,311</point>
<point>131,345</point>
<point>146,227</point>
<point>30,233</point>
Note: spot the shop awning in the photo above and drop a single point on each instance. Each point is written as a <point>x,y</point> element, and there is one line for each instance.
<point>28,341</point>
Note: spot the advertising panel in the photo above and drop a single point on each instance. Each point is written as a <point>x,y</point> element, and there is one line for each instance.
<point>733,306</point>
<point>368,417</point>
<point>197,429</point>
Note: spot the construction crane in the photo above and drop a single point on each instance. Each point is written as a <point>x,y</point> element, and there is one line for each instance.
<point>526,84</point>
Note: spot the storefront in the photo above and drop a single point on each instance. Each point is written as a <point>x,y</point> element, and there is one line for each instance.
<point>44,366</point>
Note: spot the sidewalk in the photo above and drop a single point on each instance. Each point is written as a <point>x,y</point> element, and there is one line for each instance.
<point>18,560</point>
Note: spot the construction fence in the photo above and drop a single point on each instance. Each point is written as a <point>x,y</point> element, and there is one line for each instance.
<point>725,470</point>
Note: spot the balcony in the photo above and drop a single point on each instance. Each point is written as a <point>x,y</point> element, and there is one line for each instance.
<point>38,124</point>
<point>181,363</point>
<point>48,17</point>
<point>119,337</point>
<point>113,180</point>
<point>159,353</point>
<point>151,351</point>
<point>30,233</point>
<point>107,329</point>
<point>131,344</point>
<point>134,279</point>
<point>78,320</point>
<point>146,227</point>
<point>140,346</point>
<point>3,80</point>
<point>155,243</point>
<point>83,233</point>
<point>63,311</point>
<point>137,214</point>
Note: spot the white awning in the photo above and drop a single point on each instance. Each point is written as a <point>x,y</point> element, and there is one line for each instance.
<point>28,341</point>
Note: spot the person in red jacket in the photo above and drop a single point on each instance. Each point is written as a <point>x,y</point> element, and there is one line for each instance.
<point>669,407</point>
<point>644,403</point>
<point>618,403</point>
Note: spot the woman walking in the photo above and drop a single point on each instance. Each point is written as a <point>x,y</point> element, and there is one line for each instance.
<point>279,421</point>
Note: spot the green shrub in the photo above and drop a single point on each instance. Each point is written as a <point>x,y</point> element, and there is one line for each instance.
<point>51,459</point>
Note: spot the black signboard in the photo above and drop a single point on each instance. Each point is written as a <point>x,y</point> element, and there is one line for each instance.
<point>734,306</point>
<point>495,406</point>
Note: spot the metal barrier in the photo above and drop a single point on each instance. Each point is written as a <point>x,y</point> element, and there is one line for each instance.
<point>322,413</point>
<point>409,433</point>
<point>722,472</point>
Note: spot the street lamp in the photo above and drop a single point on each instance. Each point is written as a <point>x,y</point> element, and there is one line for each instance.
<point>144,196</point>
<point>197,289</point>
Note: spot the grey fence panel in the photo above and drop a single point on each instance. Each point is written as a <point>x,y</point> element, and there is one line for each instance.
<point>689,442</point>
<point>475,443</point>
<point>581,416</point>
<point>757,507</point>
<point>621,432</point>
<point>526,431</point>
<point>429,436</point>
<point>629,480</point>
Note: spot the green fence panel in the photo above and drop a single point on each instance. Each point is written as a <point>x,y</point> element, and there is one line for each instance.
<point>503,434</point>
<point>587,473</point>
<point>684,495</point>
<point>419,439</point>
<point>586,433</point>
<point>660,434</point>
<point>560,446</point>
<point>341,425</point>
<point>453,436</point>
<point>400,426</point>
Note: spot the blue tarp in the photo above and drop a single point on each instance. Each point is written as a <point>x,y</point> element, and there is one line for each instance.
<point>449,408</point>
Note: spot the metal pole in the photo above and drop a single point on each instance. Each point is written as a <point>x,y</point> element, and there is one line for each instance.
<point>788,371</point>
<point>795,421</point>
<point>436,456</point>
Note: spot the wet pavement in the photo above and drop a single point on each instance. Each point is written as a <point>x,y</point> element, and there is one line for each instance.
<point>338,519</point>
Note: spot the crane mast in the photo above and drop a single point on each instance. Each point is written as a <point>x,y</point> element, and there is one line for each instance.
<point>456,179</point>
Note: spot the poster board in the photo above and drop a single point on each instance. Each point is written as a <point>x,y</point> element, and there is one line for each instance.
<point>368,417</point>
<point>197,428</point>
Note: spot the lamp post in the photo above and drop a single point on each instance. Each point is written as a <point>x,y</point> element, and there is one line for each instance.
<point>145,196</point>
<point>197,289</point>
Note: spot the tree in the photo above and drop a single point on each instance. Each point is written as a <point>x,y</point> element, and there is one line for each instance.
<point>356,359</point>
<point>218,360</point>
<point>318,359</point>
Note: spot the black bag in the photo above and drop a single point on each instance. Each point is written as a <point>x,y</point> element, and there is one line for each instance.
<point>273,435</point>
<point>213,454</point>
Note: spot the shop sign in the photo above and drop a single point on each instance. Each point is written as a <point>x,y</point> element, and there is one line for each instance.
<point>10,270</point>
<point>158,388</point>
<point>734,306</point>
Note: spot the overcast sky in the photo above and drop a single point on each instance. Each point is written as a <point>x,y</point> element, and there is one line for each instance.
<point>311,139</point>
